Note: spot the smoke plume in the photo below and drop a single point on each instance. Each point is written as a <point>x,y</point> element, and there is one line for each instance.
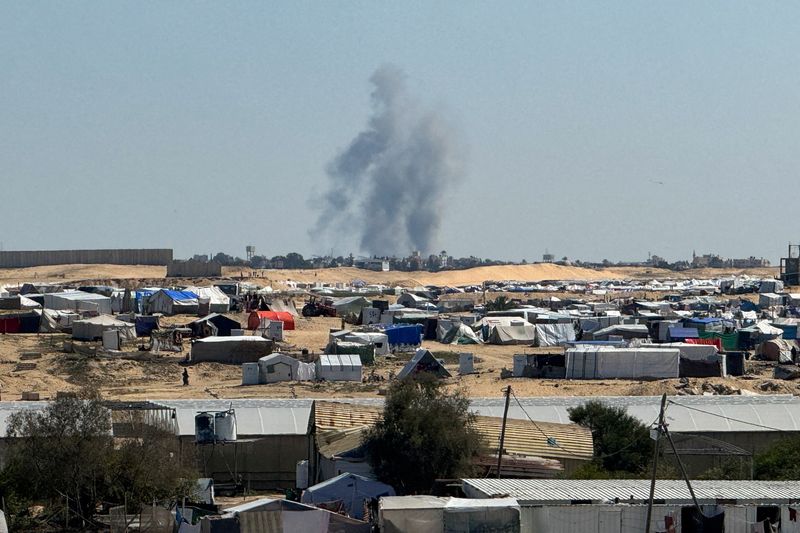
<point>388,187</point>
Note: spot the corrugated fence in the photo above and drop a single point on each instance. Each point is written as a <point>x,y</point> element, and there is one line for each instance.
<point>143,256</point>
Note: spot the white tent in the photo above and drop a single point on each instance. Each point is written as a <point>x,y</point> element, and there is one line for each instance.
<point>78,301</point>
<point>93,328</point>
<point>277,367</point>
<point>379,340</point>
<point>339,367</point>
<point>554,334</point>
<point>173,302</point>
<point>520,332</point>
<point>218,301</point>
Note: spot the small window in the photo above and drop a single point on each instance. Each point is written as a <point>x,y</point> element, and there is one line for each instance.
<point>271,369</point>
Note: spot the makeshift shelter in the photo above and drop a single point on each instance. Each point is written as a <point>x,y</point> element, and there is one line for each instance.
<point>519,332</point>
<point>554,334</point>
<point>281,367</point>
<point>364,351</point>
<point>146,324</point>
<point>230,350</point>
<point>254,320</point>
<point>600,362</point>
<point>212,297</point>
<point>339,367</point>
<point>170,302</point>
<point>779,350</point>
<point>403,337</point>
<point>18,303</point>
<point>769,299</point>
<point>352,305</point>
<point>20,322</point>
<point>626,331</point>
<point>423,361</point>
<point>411,300</point>
<point>461,334</point>
<point>78,301</point>
<point>282,305</point>
<point>379,340</point>
<point>214,324</point>
<point>350,489</point>
<point>92,328</point>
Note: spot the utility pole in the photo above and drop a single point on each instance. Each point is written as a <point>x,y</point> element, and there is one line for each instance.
<point>655,462</point>
<point>503,431</point>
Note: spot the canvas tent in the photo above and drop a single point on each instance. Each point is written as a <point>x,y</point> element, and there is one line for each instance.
<point>601,362</point>
<point>254,320</point>
<point>350,489</point>
<point>518,332</point>
<point>423,361</point>
<point>412,301</point>
<point>78,301</point>
<point>170,302</point>
<point>626,331</point>
<point>218,301</point>
<point>92,328</point>
<point>214,324</point>
<point>281,367</point>
<point>554,334</point>
<point>230,350</point>
<point>339,367</point>
<point>460,333</point>
<point>351,305</point>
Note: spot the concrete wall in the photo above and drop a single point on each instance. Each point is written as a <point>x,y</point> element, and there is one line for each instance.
<point>193,269</point>
<point>144,256</point>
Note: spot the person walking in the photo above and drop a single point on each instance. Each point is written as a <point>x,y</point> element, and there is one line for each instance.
<point>185,377</point>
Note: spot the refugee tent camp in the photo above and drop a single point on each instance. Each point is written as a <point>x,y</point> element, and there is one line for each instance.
<point>78,301</point>
<point>90,329</point>
<point>350,489</point>
<point>516,332</point>
<point>230,350</point>
<point>170,302</point>
<point>255,318</point>
<point>460,333</point>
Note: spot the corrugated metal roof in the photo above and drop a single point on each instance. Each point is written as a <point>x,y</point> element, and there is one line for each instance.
<point>565,491</point>
<point>254,418</point>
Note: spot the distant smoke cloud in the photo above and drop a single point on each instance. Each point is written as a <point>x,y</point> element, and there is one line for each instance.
<point>390,184</point>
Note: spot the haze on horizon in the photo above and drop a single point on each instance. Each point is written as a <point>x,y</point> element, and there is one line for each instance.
<point>594,131</point>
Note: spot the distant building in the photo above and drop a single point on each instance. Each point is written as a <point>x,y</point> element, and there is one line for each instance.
<point>715,261</point>
<point>548,258</point>
<point>378,265</point>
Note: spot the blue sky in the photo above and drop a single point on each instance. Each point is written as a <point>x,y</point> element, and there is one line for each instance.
<point>591,129</point>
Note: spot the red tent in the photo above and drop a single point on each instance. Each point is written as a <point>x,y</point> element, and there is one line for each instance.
<point>255,319</point>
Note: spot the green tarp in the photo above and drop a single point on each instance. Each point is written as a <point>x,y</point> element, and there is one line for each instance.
<point>730,341</point>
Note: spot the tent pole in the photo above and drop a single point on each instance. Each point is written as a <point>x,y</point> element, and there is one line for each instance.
<point>503,431</point>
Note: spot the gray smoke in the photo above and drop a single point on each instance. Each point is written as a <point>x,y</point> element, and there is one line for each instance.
<point>389,185</point>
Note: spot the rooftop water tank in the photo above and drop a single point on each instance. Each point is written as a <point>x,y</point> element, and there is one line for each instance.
<point>225,426</point>
<point>204,428</point>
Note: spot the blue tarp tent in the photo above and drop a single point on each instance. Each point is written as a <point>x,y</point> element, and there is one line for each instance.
<point>683,333</point>
<point>350,489</point>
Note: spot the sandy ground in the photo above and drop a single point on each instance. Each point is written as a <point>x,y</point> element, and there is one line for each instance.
<point>135,374</point>
<point>141,375</point>
<point>125,275</point>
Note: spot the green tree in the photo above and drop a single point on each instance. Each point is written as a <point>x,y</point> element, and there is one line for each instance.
<point>426,433</point>
<point>65,457</point>
<point>501,303</point>
<point>780,462</point>
<point>621,442</point>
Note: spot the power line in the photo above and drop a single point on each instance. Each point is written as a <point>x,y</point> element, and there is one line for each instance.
<point>555,442</point>
<point>729,418</point>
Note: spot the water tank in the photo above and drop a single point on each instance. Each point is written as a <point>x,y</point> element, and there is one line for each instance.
<point>466,363</point>
<point>204,428</point>
<point>225,426</point>
<point>302,474</point>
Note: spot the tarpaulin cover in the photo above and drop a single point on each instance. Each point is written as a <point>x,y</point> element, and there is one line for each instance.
<point>683,333</point>
<point>554,334</point>
<point>730,341</point>
<point>585,362</point>
<point>351,489</point>
<point>408,334</point>
<point>522,334</point>
<point>713,342</point>
<point>254,321</point>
